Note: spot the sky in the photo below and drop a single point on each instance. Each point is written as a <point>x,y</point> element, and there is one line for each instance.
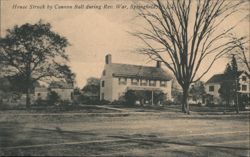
<point>93,33</point>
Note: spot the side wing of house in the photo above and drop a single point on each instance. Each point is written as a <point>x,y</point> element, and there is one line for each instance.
<point>244,82</point>
<point>106,86</point>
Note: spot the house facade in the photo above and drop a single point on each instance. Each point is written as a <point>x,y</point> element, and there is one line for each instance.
<point>63,90</point>
<point>213,85</point>
<point>117,79</point>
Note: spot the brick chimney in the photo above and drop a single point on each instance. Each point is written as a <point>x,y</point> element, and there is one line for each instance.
<point>158,64</point>
<point>108,59</point>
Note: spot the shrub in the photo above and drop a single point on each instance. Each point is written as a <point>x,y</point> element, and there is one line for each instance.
<point>53,98</point>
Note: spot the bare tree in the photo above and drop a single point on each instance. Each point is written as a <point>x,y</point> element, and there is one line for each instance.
<point>185,33</point>
<point>241,51</point>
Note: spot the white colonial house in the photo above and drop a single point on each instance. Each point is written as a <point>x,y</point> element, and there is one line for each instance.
<point>213,85</point>
<point>117,79</point>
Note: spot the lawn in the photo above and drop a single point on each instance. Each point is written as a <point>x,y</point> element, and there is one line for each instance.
<point>123,133</point>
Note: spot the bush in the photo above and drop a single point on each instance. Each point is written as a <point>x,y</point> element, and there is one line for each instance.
<point>131,97</point>
<point>53,98</point>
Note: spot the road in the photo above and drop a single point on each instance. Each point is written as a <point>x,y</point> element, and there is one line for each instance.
<point>119,134</point>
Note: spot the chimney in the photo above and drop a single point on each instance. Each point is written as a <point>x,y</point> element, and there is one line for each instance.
<point>108,59</point>
<point>158,64</point>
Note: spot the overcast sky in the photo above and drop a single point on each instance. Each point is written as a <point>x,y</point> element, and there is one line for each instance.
<point>92,33</point>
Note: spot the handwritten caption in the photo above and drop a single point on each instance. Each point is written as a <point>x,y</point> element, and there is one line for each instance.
<point>81,6</point>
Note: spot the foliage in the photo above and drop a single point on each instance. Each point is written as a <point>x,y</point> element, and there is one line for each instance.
<point>53,98</point>
<point>230,84</point>
<point>91,91</point>
<point>35,52</point>
<point>197,90</point>
<point>131,96</point>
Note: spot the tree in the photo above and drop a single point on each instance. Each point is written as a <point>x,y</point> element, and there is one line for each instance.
<point>197,90</point>
<point>35,53</point>
<point>185,34</point>
<point>226,89</point>
<point>53,98</point>
<point>91,90</point>
<point>241,51</point>
<point>235,82</point>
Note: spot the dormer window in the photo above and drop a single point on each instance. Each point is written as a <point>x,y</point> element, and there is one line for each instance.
<point>134,81</point>
<point>163,83</point>
<point>144,82</point>
<point>122,81</point>
<point>152,83</point>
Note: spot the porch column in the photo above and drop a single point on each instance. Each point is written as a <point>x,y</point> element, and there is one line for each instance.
<point>152,98</point>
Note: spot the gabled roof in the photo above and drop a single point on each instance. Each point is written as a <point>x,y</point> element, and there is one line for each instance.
<point>61,85</point>
<point>218,78</point>
<point>137,71</point>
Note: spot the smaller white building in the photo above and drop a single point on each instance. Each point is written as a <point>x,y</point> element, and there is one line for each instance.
<point>63,90</point>
<point>40,93</point>
<point>213,85</point>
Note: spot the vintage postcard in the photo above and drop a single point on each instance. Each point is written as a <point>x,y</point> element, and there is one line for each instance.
<point>134,78</point>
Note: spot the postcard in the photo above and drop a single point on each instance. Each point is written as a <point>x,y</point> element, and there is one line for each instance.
<point>124,78</point>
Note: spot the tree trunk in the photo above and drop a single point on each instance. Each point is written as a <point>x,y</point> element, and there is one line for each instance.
<point>185,105</point>
<point>237,104</point>
<point>28,98</point>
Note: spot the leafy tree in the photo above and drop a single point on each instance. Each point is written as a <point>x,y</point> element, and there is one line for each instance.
<point>186,34</point>
<point>91,91</point>
<point>36,53</point>
<point>53,98</point>
<point>197,90</point>
<point>235,82</point>
<point>226,88</point>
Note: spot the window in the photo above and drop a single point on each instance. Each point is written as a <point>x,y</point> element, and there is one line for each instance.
<point>103,83</point>
<point>134,81</point>
<point>244,78</point>
<point>211,88</point>
<point>122,81</point>
<point>143,82</point>
<point>104,72</point>
<point>163,84</point>
<point>152,83</point>
<point>244,87</point>
<point>38,94</point>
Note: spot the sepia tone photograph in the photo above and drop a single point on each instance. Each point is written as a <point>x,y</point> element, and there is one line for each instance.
<point>125,78</point>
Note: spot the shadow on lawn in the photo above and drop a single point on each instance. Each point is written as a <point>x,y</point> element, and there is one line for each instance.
<point>10,134</point>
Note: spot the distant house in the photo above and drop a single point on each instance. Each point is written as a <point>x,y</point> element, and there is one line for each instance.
<point>117,79</point>
<point>40,93</point>
<point>63,89</point>
<point>213,85</point>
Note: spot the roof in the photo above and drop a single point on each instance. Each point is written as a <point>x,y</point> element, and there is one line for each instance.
<point>41,89</point>
<point>137,71</point>
<point>61,85</point>
<point>218,78</point>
